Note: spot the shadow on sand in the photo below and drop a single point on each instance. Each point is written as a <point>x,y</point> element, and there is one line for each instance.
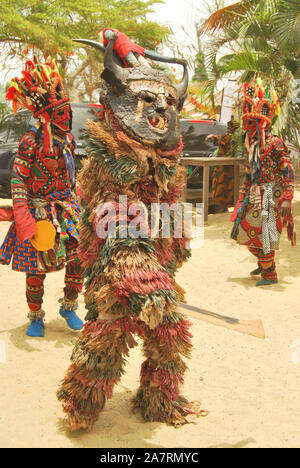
<point>111,431</point>
<point>287,257</point>
<point>56,331</point>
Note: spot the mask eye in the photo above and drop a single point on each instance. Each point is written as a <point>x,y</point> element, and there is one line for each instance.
<point>171,101</point>
<point>148,98</point>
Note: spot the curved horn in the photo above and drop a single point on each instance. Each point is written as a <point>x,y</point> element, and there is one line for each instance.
<point>182,87</point>
<point>113,73</point>
<point>150,54</point>
<point>109,63</point>
<point>99,46</point>
<point>95,44</point>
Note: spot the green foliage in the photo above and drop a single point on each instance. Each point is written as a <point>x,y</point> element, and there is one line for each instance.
<point>47,27</point>
<point>4,110</point>
<point>51,25</point>
<point>200,68</point>
<point>287,24</point>
<point>4,107</point>
<point>263,42</point>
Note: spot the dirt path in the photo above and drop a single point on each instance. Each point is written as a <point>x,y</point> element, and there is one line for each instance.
<point>250,386</point>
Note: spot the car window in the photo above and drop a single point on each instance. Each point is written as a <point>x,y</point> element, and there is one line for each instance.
<point>80,116</point>
<point>195,133</point>
<point>4,128</point>
<point>19,126</point>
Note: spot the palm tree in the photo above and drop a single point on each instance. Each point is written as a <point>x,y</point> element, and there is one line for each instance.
<point>258,37</point>
<point>226,16</point>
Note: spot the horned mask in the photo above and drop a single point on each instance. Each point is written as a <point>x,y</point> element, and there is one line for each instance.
<point>143,100</point>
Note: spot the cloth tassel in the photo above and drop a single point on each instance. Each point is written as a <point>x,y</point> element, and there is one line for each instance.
<point>241,212</point>
<point>289,223</point>
<point>269,228</point>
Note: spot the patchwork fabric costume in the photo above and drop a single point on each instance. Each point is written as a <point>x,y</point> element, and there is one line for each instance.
<point>43,236</point>
<point>223,176</point>
<point>130,287</point>
<point>268,185</point>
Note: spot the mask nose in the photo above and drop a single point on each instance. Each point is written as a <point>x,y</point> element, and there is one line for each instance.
<point>161,104</point>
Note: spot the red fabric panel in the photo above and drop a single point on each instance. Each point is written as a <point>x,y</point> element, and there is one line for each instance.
<point>123,45</point>
<point>6,214</point>
<point>78,191</point>
<point>25,222</point>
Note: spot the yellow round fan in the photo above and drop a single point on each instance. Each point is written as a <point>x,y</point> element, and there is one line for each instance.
<point>44,239</point>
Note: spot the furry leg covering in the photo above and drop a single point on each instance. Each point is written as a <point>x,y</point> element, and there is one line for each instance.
<point>98,361</point>
<point>161,374</point>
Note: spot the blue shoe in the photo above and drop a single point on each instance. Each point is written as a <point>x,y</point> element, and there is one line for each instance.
<point>71,318</point>
<point>36,329</point>
<point>256,272</point>
<point>265,282</point>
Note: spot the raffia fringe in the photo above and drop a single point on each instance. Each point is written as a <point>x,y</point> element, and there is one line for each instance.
<point>67,304</point>
<point>36,315</point>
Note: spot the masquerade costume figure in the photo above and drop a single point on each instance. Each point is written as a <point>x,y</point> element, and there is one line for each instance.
<point>264,205</point>
<point>130,287</point>
<point>43,236</point>
<point>223,176</point>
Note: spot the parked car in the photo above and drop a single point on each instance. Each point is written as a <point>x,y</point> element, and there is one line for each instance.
<point>194,133</point>
<point>14,126</point>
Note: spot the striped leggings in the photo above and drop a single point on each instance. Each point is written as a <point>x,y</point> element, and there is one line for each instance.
<point>35,286</point>
<point>266,262</point>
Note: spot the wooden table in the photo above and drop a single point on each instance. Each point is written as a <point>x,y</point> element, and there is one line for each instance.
<point>206,163</point>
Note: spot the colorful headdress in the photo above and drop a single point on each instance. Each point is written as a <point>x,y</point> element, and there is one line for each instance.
<point>260,102</point>
<point>40,89</point>
<point>260,106</point>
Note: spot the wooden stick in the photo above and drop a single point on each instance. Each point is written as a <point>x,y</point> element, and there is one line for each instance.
<point>248,327</point>
<point>205,193</point>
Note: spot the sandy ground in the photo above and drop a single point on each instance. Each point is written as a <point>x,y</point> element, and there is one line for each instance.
<point>250,386</point>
